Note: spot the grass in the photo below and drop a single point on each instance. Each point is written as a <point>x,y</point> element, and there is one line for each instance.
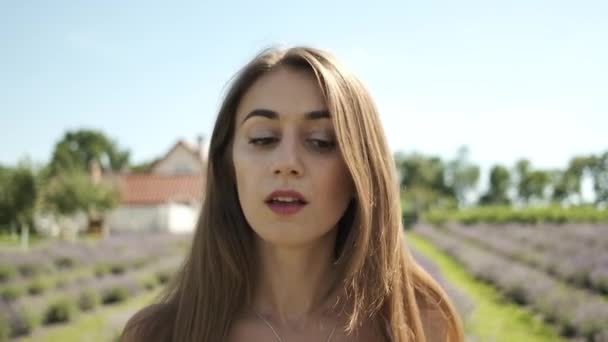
<point>14,241</point>
<point>494,318</point>
<point>96,326</point>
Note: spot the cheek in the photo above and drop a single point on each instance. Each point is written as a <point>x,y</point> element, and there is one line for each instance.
<point>334,184</point>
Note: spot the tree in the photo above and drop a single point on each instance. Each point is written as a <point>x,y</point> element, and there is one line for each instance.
<point>522,172</point>
<point>599,172</point>
<point>576,169</point>
<point>6,198</point>
<point>531,184</point>
<point>562,182</point>
<point>418,170</point>
<point>500,181</point>
<point>422,180</point>
<point>77,149</point>
<point>74,191</point>
<point>19,198</point>
<point>537,183</point>
<point>462,176</point>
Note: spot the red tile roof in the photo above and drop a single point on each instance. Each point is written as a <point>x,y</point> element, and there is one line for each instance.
<point>156,189</point>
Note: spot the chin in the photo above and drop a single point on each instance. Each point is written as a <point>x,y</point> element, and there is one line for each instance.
<point>285,237</point>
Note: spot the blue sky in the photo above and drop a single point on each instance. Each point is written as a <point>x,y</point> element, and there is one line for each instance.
<point>508,79</point>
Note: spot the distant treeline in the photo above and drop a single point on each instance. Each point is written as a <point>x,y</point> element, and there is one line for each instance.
<point>520,193</point>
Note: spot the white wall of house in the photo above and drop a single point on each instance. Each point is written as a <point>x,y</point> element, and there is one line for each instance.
<point>180,161</point>
<point>135,218</point>
<point>182,217</point>
<point>53,225</point>
<point>171,217</point>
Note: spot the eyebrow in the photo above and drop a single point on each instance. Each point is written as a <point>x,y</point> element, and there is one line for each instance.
<point>270,114</point>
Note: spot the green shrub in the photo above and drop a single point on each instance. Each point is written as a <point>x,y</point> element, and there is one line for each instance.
<point>148,282</point>
<point>163,276</point>
<point>25,321</point>
<point>5,327</point>
<point>29,270</point>
<point>409,217</point>
<point>138,263</point>
<point>11,293</point>
<point>88,300</point>
<point>64,262</point>
<point>102,269</point>
<point>115,294</point>
<point>7,272</point>
<point>61,310</point>
<point>118,268</point>
<point>38,285</point>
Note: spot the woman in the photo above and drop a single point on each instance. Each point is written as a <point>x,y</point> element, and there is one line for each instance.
<point>299,237</point>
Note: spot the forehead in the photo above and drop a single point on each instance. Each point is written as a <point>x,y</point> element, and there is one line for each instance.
<point>286,91</point>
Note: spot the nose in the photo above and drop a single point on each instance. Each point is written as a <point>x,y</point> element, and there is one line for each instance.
<point>287,161</point>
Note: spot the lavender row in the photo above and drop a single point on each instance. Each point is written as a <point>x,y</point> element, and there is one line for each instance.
<point>550,236</point>
<point>546,237</point>
<point>22,316</point>
<point>581,264</point>
<point>63,255</point>
<point>43,284</point>
<point>577,312</point>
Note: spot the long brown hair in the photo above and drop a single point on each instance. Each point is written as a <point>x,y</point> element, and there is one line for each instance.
<point>377,272</point>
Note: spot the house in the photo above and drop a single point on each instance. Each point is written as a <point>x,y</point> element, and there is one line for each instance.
<point>167,198</point>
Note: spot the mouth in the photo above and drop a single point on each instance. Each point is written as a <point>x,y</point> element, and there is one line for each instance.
<point>285,202</point>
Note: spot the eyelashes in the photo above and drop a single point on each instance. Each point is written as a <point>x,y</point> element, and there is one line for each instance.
<point>323,144</point>
<point>264,141</point>
<point>317,144</point>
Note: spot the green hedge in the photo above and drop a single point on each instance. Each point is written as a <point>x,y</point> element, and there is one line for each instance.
<point>61,310</point>
<point>532,215</point>
<point>26,320</point>
<point>7,272</point>
<point>116,294</point>
<point>39,285</point>
<point>88,300</point>
<point>11,293</point>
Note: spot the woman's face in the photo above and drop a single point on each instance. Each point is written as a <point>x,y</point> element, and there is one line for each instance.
<point>284,141</point>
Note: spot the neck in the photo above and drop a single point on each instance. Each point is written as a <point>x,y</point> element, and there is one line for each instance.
<point>295,283</point>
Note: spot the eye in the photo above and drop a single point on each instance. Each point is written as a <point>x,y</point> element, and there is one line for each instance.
<point>263,141</point>
<point>322,145</point>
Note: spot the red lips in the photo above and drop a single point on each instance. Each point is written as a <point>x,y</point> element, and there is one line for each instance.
<point>285,207</point>
<point>286,193</point>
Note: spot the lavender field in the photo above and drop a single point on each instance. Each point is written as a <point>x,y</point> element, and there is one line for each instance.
<point>52,284</point>
<point>558,271</point>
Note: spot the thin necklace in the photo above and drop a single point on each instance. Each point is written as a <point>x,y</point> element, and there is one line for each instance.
<point>331,334</point>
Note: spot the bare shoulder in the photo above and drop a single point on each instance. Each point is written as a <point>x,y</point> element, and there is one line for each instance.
<point>151,321</point>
